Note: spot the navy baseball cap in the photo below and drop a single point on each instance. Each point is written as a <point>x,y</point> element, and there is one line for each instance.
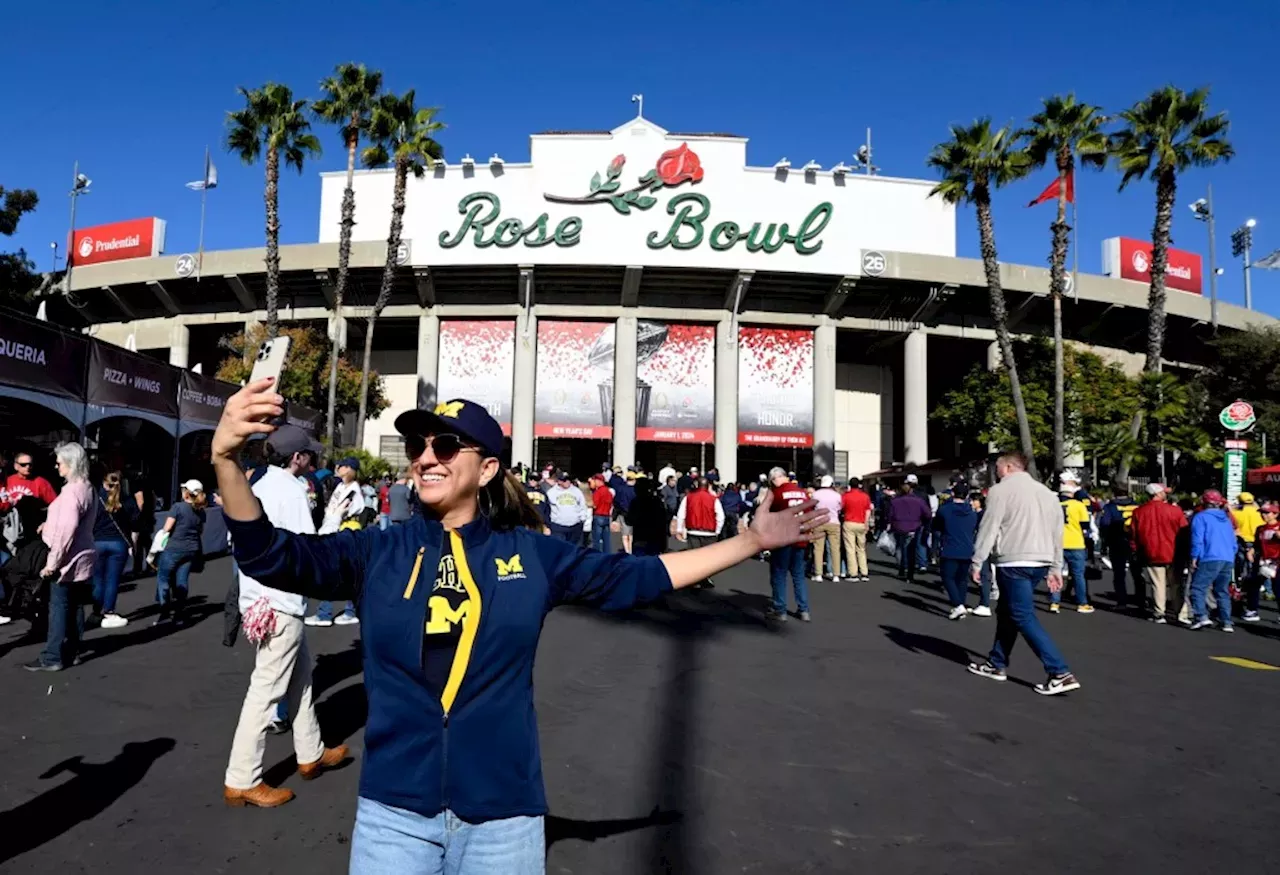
<point>349,462</point>
<point>466,419</point>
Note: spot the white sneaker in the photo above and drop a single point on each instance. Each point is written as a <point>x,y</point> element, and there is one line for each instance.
<point>4,621</point>
<point>817,578</point>
<point>346,619</point>
<point>313,620</point>
<point>113,621</point>
<point>981,611</point>
<point>958,613</point>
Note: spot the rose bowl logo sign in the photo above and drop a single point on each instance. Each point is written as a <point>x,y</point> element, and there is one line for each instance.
<point>135,238</point>
<point>1237,416</point>
<point>1130,259</point>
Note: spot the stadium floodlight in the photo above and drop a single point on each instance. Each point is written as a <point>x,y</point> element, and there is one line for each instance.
<point>812,167</point>
<point>1251,223</point>
<point>840,169</point>
<point>495,161</point>
<point>82,183</point>
<point>1203,209</point>
<point>468,163</point>
<point>1241,243</point>
<point>783,164</point>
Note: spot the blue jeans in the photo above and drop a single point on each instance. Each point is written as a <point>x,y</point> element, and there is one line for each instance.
<point>984,596</point>
<point>384,521</point>
<point>1016,613</point>
<point>908,561</point>
<point>108,567</point>
<point>922,549</point>
<point>955,577</point>
<point>600,533</point>
<point>1217,575</point>
<point>1075,560</point>
<point>784,561</point>
<point>324,610</point>
<point>66,626</point>
<point>388,839</point>
<point>173,570</point>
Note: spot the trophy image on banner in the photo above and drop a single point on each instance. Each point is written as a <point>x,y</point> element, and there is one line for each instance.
<point>649,339</point>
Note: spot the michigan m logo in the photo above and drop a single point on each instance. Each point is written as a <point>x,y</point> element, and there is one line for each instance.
<point>449,409</point>
<point>509,567</point>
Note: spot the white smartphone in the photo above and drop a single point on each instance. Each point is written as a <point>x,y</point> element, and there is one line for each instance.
<point>270,361</point>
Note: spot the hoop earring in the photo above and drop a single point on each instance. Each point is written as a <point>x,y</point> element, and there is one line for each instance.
<point>485,503</point>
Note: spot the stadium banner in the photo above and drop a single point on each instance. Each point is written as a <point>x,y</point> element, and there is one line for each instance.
<point>304,418</point>
<point>676,382</point>
<point>202,398</point>
<point>775,387</point>
<point>133,238</point>
<point>574,396</point>
<point>1131,259</point>
<point>478,362</point>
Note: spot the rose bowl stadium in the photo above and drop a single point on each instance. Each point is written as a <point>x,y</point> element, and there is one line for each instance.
<point>643,295</point>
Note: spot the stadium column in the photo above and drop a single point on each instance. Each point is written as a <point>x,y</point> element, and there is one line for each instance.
<point>179,345</point>
<point>522,402</point>
<point>428,357</point>
<point>624,391</point>
<point>726,400</point>
<point>915,396</point>
<point>824,398</point>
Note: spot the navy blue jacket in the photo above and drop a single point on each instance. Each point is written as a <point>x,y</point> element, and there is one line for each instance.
<point>957,522</point>
<point>623,494</point>
<point>474,749</point>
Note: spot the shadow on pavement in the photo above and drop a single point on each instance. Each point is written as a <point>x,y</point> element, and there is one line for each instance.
<point>341,716</point>
<point>562,828</point>
<point>917,643</point>
<point>332,669</point>
<point>912,601</point>
<point>92,789</point>
<point>195,613</point>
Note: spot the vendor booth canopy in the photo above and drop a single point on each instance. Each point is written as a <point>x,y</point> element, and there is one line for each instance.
<point>123,383</point>
<point>42,365</point>
<point>1265,476</point>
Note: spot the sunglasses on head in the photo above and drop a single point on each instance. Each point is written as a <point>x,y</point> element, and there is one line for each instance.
<point>446,447</point>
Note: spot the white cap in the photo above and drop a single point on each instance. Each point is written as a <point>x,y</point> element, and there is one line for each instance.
<point>912,478</point>
<point>193,486</point>
<point>1155,488</point>
<point>826,481</point>
<point>1069,477</point>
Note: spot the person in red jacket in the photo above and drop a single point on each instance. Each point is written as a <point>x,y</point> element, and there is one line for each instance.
<point>1153,531</point>
<point>22,482</point>
<point>601,513</point>
<point>699,520</point>
<point>1265,559</point>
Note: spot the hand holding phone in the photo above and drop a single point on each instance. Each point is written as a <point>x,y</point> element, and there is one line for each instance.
<point>271,359</point>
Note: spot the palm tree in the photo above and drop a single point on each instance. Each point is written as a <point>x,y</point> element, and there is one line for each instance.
<point>1061,132</point>
<point>402,136</point>
<point>274,121</point>
<point>1164,134</point>
<point>349,98</point>
<point>972,162</point>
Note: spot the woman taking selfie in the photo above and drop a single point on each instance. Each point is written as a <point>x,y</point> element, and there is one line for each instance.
<point>451,604</point>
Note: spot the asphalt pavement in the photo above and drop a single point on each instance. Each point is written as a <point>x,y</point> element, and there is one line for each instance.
<point>692,737</point>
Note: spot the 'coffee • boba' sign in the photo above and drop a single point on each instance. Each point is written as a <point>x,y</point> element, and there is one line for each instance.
<point>691,225</point>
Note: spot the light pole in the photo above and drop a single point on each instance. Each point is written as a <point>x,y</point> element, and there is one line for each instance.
<point>1241,242</point>
<point>79,185</point>
<point>1203,209</point>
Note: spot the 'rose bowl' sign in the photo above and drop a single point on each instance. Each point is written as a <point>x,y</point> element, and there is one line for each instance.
<point>1237,416</point>
<point>134,238</point>
<point>1130,259</point>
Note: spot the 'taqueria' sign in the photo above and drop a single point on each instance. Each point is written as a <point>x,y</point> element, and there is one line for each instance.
<point>691,212</point>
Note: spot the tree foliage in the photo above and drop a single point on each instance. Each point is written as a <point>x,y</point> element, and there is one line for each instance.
<point>1247,366</point>
<point>308,359</point>
<point>18,277</point>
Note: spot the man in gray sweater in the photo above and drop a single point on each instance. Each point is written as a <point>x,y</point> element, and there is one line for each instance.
<point>1022,532</point>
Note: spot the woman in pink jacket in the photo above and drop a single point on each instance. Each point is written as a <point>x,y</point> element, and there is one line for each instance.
<point>68,531</point>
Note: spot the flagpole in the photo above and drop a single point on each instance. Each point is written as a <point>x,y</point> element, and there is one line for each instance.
<point>1075,252</point>
<point>204,197</point>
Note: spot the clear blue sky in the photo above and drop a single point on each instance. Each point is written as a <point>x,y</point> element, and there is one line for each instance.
<point>135,92</point>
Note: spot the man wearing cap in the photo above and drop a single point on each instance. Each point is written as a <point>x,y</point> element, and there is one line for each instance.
<point>688,481</point>
<point>1153,531</point>
<point>1114,525</point>
<point>538,498</point>
<point>624,492</point>
<point>855,506</point>
<point>699,520</point>
<point>1213,555</point>
<point>1248,519</point>
<point>273,623</point>
<point>829,500</point>
<point>1265,559</point>
<point>346,502</point>
<point>568,508</point>
<point>908,517</point>
<point>1075,521</point>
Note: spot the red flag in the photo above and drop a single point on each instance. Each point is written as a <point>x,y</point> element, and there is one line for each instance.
<point>1051,193</point>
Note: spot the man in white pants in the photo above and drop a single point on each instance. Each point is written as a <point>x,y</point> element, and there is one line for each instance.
<point>273,622</point>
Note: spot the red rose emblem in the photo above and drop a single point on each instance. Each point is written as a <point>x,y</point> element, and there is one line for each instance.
<point>1240,411</point>
<point>615,166</point>
<point>679,165</point>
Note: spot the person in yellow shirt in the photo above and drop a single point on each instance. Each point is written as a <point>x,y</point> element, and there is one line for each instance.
<point>1248,519</point>
<point>1075,555</point>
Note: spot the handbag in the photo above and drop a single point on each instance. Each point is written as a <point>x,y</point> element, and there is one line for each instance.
<point>158,543</point>
<point>128,543</point>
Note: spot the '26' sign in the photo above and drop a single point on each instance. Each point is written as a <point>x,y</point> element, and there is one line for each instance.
<point>874,263</point>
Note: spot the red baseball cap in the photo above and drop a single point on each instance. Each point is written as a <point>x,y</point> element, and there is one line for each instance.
<point>1212,497</point>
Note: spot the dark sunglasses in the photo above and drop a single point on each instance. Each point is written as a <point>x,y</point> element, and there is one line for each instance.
<point>446,447</point>
<point>22,464</point>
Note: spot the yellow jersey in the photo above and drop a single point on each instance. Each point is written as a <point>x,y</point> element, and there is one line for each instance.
<point>1248,519</point>
<point>1075,516</point>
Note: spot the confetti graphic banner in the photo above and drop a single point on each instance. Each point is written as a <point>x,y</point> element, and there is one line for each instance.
<point>574,396</point>
<point>478,362</point>
<point>775,387</point>
<point>676,385</point>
